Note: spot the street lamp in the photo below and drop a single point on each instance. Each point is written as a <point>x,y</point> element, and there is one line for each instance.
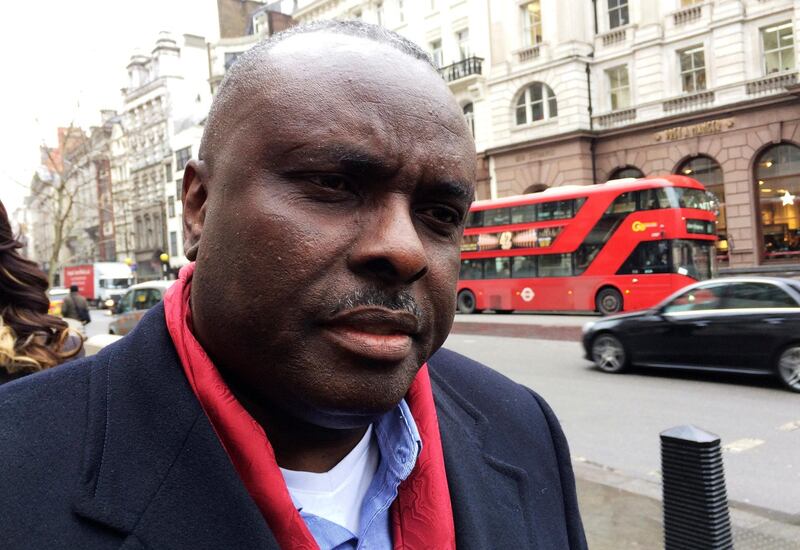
<point>164,257</point>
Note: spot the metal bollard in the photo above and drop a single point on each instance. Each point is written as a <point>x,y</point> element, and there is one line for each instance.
<point>695,500</point>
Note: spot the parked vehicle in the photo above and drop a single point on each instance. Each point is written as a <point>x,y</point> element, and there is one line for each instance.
<point>56,296</point>
<point>744,325</point>
<point>135,303</point>
<point>620,246</point>
<point>99,282</point>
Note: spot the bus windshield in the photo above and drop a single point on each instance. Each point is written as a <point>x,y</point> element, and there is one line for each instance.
<point>693,258</point>
<point>685,197</point>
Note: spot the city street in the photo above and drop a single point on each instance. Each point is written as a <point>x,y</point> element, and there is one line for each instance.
<point>100,321</point>
<point>614,421</point>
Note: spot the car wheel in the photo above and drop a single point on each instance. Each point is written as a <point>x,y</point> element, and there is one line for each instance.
<point>608,353</point>
<point>466,302</point>
<point>789,367</point>
<point>609,301</point>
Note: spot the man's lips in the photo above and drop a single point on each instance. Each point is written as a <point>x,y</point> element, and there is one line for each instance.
<point>374,333</point>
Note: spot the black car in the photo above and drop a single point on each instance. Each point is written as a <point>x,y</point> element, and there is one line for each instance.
<point>744,325</point>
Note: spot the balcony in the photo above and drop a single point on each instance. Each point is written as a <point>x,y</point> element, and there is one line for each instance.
<point>689,102</point>
<point>615,118</point>
<point>462,69</point>
<point>687,15</point>
<point>529,53</point>
<point>613,37</point>
<point>770,84</point>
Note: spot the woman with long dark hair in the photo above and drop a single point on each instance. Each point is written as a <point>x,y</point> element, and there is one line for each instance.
<point>30,339</point>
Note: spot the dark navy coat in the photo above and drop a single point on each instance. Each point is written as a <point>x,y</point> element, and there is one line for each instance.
<point>114,451</point>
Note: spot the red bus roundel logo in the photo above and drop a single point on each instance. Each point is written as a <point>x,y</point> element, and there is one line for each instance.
<point>527,294</point>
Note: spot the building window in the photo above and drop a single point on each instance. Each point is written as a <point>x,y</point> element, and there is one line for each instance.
<point>626,172</point>
<point>617,13</point>
<point>168,171</point>
<point>379,13</point>
<point>537,102</point>
<point>436,53</point>
<point>171,206</point>
<point>619,87</point>
<point>182,156</point>
<point>173,243</point>
<point>401,11</point>
<point>531,23</point>
<point>687,3</point>
<point>777,174</point>
<point>778,43</point>
<point>693,69</point>
<point>708,172</point>
<point>469,114</point>
<point>462,39</point>
<point>179,189</point>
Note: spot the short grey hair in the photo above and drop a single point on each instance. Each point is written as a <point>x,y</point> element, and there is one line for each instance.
<point>251,60</point>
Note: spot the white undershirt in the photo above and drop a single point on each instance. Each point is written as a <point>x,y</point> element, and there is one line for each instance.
<point>337,494</point>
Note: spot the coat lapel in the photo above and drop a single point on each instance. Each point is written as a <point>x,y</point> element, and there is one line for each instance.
<point>487,494</point>
<point>154,469</point>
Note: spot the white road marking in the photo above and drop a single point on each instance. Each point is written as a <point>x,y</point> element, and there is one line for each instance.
<point>742,445</point>
<point>790,426</point>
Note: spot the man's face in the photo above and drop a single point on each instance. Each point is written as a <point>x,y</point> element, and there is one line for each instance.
<point>329,250</point>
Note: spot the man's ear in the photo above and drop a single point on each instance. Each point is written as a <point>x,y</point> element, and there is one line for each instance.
<point>195,199</point>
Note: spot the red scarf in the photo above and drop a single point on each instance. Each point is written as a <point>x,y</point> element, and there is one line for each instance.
<point>421,514</point>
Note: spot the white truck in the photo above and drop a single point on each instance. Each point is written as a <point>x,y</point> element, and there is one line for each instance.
<point>99,282</point>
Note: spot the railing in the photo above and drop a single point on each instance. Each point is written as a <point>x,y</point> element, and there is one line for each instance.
<point>531,52</point>
<point>689,102</point>
<point>692,13</point>
<point>771,83</point>
<point>462,69</point>
<point>614,37</point>
<point>615,118</point>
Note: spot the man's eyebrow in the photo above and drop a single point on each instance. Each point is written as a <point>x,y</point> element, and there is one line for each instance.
<point>456,189</point>
<point>348,157</point>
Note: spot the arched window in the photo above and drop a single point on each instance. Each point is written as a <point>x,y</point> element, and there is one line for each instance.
<point>625,172</point>
<point>536,102</point>
<point>469,114</point>
<point>777,175</point>
<point>708,172</point>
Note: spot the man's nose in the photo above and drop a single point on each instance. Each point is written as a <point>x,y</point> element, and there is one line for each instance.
<point>388,246</point>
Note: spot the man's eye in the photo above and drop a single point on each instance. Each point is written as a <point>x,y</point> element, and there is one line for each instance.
<point>332,182</point>
<point>443,215</point>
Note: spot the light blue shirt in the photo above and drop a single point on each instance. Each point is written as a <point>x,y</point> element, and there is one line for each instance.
<point>399,445</point>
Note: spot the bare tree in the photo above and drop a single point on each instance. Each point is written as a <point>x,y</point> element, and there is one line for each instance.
<point>55,189</point>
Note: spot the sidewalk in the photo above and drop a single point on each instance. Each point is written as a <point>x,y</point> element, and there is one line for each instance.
<point>621,512</point>
<point>521,325</point>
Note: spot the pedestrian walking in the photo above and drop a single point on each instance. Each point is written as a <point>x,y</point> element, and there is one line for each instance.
<point>75,306</point>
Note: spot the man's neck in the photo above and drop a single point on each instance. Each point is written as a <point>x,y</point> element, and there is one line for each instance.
<point>299,445</point>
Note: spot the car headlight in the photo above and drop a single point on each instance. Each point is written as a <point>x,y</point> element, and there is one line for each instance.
<point>588,326</point>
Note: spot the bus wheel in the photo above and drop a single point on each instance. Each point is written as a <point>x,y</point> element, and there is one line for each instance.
<point>466,302</point>
<point>609,301</point>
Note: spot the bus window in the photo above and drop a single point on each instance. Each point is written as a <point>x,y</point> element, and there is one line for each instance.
<point>653,199</point>
<point>585,254</point>
<point>648,257</point>
<point>475,219</point>
<point>523,266</point>
<point>685,197</point>
<point>522,214</point>
<point>471,269</point>
<point>693,258</point>
<point>555,265</point>
<point>497,216</point>
<point>497,268</point>
<point>555,210</point>
<point>624,204</point>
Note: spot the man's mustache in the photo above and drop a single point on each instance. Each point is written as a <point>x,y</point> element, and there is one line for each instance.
<point>372,297</point>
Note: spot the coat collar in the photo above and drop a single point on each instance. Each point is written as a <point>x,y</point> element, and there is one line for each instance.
<point>153,466</point>
<point>487,493</point>
<point>154,469</point>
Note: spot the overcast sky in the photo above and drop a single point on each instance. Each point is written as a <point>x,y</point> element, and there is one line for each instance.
<point>64,60</point>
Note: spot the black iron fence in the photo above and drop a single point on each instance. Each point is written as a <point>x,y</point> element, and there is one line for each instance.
<point>461,69</point>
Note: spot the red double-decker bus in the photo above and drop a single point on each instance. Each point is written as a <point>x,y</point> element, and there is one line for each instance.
<point>618,246</point>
